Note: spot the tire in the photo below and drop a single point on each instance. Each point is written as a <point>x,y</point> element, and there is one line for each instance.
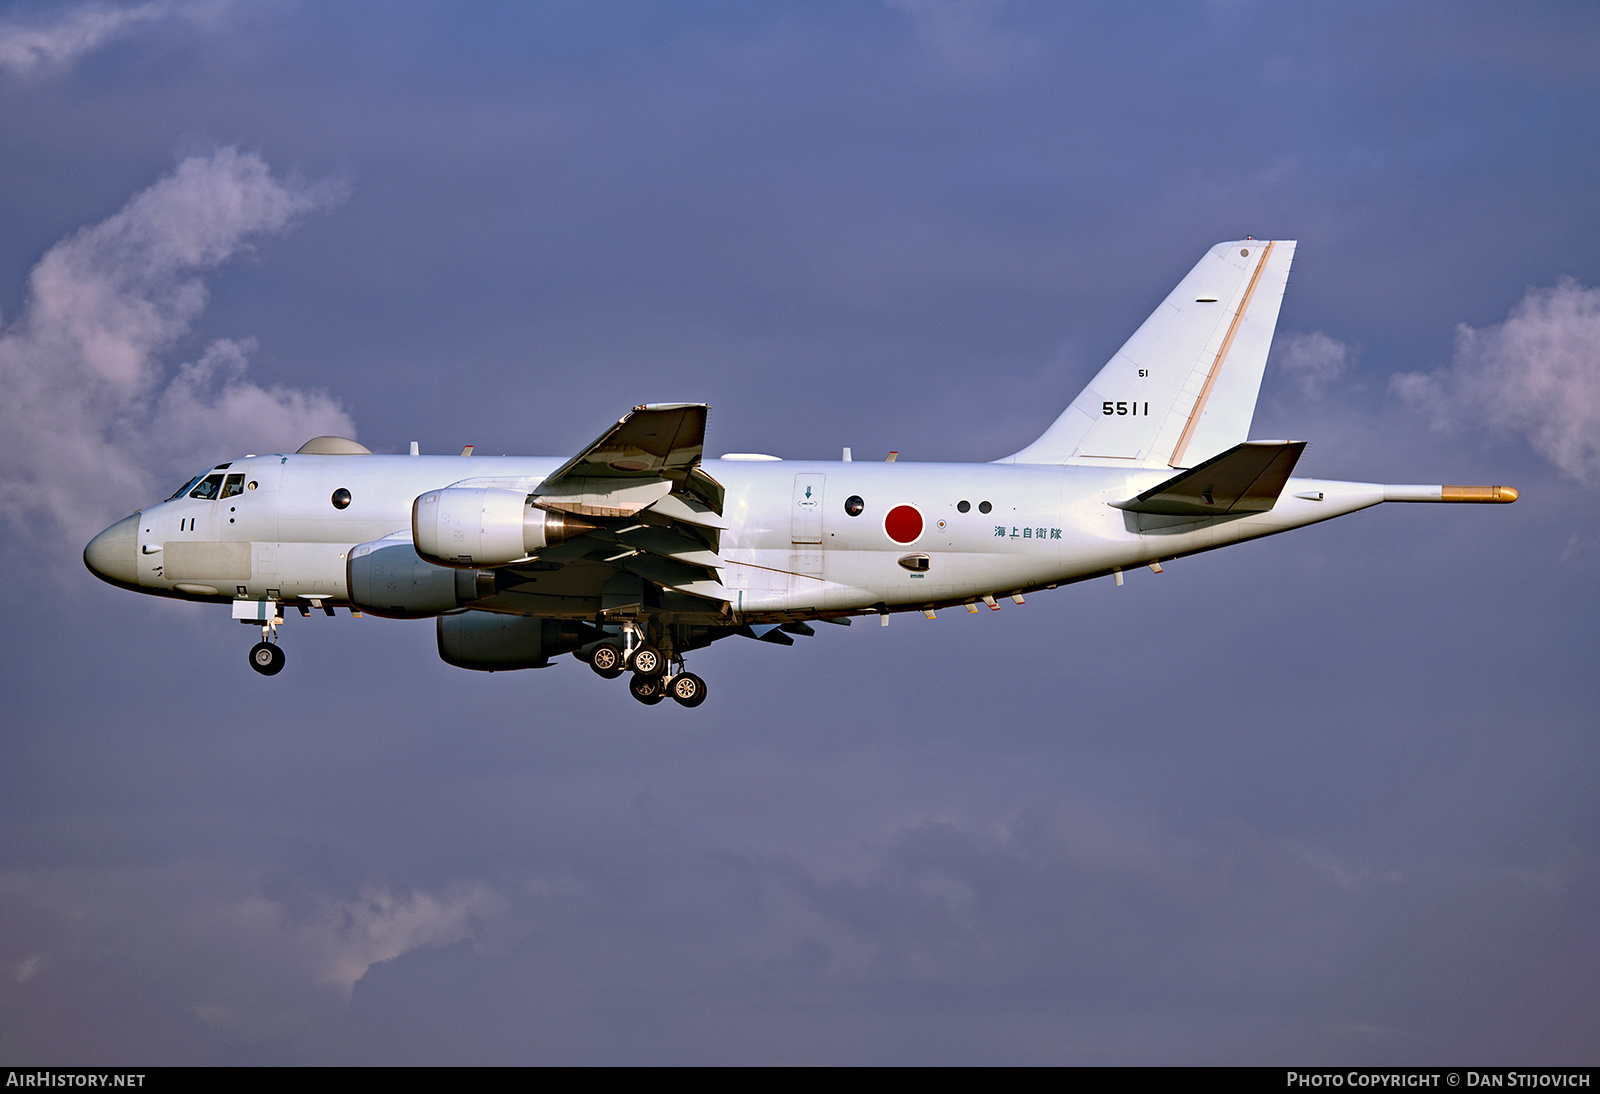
<point>647,661</point>
<point>606,660</point>
<point>266,658</point>
<point>647,690</point>
<point>688,689</point>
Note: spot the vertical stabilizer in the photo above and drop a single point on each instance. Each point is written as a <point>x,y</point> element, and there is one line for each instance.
<point>1184,387</point>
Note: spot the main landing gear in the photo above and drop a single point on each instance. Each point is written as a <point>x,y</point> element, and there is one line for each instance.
<point>652,667</point>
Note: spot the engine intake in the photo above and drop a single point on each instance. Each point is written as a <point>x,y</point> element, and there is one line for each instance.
<point>485,526</point>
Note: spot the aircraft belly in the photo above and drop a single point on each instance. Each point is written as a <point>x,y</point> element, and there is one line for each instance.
<point>310,569</point>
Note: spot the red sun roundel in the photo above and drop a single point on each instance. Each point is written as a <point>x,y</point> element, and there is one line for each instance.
<point>904,524</point>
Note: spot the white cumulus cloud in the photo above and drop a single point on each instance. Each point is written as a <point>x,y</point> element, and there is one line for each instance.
<point>1536,375</point>
<point>1314,360</point>
<point>35,48</point>
<point>90,417</point>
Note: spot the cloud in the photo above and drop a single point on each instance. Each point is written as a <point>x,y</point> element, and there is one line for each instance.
<point>249,964</point>
<point>89,415</point>
<point>37,49</point>
<point>968,34</point>
<point>1313,360</point>
<point>1537,376</point>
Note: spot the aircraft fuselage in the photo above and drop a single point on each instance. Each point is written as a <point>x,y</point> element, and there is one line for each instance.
<point>1021,528</point>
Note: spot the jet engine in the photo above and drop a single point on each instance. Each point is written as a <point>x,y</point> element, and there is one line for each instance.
<point>494,643</point>
<point>485,526</point>
<point>387,578</point>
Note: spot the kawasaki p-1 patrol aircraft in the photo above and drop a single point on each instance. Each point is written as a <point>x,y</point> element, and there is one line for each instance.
<point>636,550</point>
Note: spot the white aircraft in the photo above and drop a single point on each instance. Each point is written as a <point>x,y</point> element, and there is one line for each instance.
<point>636,550</point>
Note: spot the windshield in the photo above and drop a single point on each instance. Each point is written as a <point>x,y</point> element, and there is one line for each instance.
<point>207,490</point>
<point>186,487</point>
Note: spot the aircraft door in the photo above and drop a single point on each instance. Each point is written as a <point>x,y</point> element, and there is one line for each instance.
<point>805,524</point>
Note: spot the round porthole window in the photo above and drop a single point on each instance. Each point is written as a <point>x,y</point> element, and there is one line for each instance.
<point>341,498</point>
<point>853,505</point>
<point>984,507</point>
<point>963,506</point>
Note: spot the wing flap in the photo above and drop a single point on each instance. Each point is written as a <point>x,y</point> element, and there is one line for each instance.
<point>641,480</point>
<point>1247,478</point>
<point>659,541</point>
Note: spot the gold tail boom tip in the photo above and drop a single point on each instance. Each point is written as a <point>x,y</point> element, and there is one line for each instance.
<point>1491,494</point>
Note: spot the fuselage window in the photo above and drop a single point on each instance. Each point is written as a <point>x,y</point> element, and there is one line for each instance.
<point>984,507</point>
<point>341,498</point>
<point>853,505</point>
<point>233,485</point>
<point>186,487</point>
<point>963,507</point>
<point>207,490</point>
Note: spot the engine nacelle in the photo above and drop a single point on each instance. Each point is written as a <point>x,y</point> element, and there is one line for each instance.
<point>387,578</point>
<point>485,526</point>
<point>494,643</point>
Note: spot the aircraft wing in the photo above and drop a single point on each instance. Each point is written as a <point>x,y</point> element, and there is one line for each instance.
<point>657,515</point>
<point>651,450</point>
<point>1247,478</point>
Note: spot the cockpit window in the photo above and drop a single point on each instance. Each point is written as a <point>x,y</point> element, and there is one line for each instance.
<point>186,487</point>
<point>233,485</point>
<point>208,489</point>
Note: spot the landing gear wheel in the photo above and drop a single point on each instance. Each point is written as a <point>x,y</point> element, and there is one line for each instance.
<point>646,689</point>
<point>266,658</point>
<point>606,660</point>
<point>647,661</point>
<point>688,689</point>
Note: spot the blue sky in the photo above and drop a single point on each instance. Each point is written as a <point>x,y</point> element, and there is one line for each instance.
<point>1326,797</point>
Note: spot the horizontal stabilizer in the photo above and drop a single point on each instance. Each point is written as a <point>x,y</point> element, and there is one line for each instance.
<point>1247,478</point>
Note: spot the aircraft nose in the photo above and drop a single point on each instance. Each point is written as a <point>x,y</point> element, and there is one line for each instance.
<point>113,554</point>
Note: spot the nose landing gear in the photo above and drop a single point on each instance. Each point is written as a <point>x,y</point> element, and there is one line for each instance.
<point>266,658</point>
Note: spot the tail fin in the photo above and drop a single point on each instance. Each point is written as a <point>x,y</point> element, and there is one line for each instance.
<point>1184,387</point>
